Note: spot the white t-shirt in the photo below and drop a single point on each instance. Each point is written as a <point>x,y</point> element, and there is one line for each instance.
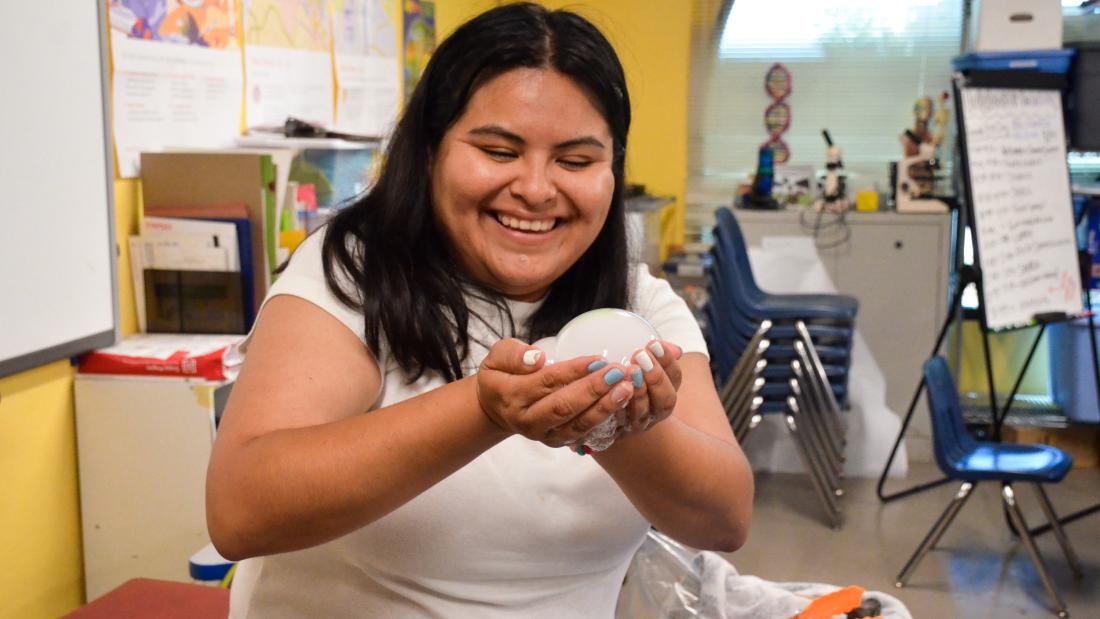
<point>523,530</point>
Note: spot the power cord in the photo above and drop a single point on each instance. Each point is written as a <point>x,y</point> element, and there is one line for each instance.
<point>824,221</point>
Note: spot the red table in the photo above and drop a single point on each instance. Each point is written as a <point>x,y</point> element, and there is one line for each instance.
<point>145,597</point>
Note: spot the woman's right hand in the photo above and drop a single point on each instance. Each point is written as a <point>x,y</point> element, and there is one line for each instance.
<point>556,405</point>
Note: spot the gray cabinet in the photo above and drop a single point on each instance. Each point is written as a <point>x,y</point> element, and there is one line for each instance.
<point>897,266</point>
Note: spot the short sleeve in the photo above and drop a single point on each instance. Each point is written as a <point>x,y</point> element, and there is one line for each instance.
<point>304,278</point>
<point>655,301</point>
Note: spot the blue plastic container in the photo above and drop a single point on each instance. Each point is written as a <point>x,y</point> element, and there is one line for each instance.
<point>1043,61</point>
<point>1072,382</point>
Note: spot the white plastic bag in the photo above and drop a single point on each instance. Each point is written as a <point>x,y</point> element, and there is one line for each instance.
<point>667,580</point>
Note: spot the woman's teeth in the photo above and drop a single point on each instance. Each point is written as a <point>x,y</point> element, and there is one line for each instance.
<point>526,225</point>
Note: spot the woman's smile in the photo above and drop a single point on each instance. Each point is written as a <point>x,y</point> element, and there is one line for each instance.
<point>533,226</point>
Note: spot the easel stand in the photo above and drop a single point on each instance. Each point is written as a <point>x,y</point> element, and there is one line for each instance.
<point>972,275</point>
<point>967,275</point>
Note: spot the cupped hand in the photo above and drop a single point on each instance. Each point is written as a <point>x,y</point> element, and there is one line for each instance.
<point>556,404</point>
<point>656,375</point>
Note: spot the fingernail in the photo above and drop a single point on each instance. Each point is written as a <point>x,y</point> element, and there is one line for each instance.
<point>614,376</point>
<point>644,361</point>
<point>580,450</point>
<point>620,394</point>
<point>658,350</point>
<point>596,365</point>
<point>636,376</point>
<point>587,449</point>
<point>531,357</point>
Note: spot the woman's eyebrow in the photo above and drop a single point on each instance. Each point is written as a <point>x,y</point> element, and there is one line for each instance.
<point>503,133</point>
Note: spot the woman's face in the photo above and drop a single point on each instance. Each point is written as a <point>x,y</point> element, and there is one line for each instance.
<point>522,181</point>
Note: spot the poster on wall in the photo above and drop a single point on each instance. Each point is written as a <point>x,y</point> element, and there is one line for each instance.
<point>177,76</point>
<point>287,62</point>
<point>419,21</point>
<point>368,77</point>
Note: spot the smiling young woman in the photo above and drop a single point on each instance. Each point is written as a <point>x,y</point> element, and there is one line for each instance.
<point>391,447</point>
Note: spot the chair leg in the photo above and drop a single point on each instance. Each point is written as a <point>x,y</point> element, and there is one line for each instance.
<point>748,419</point>
<point>738,407</point>
<point>805,431</point>
<point>813,415</point>
<point>936,532</point>
<point>1059,533</point>
<point>824,494</point>
<point>813,365</point>
<point>815,385</point>
<point>1009,498</point>
<point>809,425</point>
<point>743,401</point>
<point>753,422</point>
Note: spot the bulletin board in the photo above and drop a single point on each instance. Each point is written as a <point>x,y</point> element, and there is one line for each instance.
<point>58,294</point>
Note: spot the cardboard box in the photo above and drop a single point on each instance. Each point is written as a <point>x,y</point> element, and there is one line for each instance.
<point>1015,25</point>
<point>1080,441</point>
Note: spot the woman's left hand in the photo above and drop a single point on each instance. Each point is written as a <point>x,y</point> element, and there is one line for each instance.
<point>656,373</point>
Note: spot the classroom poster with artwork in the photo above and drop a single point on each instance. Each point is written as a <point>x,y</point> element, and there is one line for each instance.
<point>419,21</point>
<point>368,74</point>
<point>287,62</point>
<point>177,76</point>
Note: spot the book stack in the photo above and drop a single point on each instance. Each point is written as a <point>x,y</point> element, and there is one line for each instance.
<point>206,252</point>
<point>194,272</point>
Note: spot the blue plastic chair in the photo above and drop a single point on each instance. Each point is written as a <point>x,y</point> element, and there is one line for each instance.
<point>731,244</point>
<point>726,347</point>
<point>785,308</point>
<point>965,459</point>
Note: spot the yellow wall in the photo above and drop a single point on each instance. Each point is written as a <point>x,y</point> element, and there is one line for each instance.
<point>1008,351</point>
<point>127,203</point>
<point>653,40</point>
<point>39,497</point>
<point>39,504</point>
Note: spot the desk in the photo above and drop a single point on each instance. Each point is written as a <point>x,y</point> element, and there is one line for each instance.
<point>144,598</point>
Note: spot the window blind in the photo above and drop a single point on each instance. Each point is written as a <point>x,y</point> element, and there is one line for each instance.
<point>857,68</point>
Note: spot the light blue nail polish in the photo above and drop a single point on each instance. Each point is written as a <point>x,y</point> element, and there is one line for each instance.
<point>636,376</point>
<point>614,376</point>
<point>597,365</point>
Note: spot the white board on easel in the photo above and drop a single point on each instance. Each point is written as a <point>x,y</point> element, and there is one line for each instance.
<point>1015,152</point>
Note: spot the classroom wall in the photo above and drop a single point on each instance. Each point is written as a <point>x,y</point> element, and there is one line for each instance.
<point>39,503</point>
<point>653,43</point>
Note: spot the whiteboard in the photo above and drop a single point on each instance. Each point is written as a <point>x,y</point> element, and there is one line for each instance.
<point>1015,151</point>
<point>57,249</point>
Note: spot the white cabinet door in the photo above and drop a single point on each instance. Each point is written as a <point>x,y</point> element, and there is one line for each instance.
<point>143,446</point>
<point>899,274</point>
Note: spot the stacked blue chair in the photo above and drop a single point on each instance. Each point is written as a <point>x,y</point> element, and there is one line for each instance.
<point>785,354</point>
<point>965,459</point>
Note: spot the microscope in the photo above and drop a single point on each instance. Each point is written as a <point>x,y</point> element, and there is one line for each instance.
<point>916,171</point>
<point>834,197</point>
<point>914,182</point>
